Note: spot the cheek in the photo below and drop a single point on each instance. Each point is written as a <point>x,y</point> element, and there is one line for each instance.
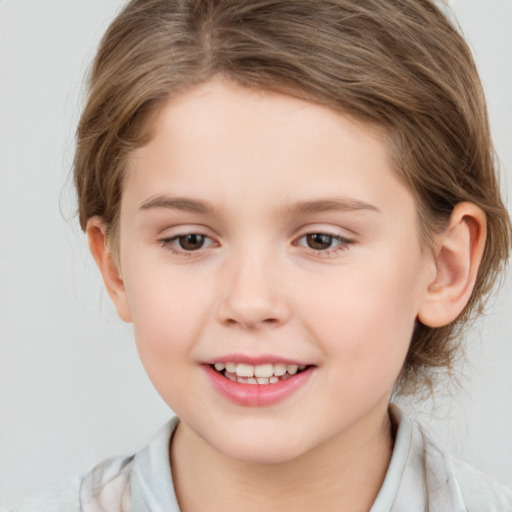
<point>168,317</point>
<point>365,316</point>
<point>168,312</point>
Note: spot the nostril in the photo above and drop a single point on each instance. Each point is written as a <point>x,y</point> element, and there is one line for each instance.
<point>252,323</point>
<point>250,309</point>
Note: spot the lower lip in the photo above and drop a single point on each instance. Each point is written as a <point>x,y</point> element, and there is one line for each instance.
<point>257,395</point>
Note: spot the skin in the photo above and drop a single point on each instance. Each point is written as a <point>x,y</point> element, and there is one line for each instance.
<point>268,170</point>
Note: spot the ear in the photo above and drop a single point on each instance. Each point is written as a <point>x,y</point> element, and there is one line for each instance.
<point>110,270</point>
<point>457,258</point>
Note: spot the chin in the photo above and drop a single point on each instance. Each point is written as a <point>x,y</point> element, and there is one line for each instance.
<point>260,449</point>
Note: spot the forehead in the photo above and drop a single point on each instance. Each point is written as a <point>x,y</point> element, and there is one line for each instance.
<point>227,142</point>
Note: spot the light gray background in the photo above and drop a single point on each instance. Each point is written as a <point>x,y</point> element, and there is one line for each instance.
<point>72,390</point>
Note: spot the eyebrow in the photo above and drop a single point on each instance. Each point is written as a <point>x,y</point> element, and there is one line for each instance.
<point>177,203</point>
<point>326,205</point>
<point>301,208</point>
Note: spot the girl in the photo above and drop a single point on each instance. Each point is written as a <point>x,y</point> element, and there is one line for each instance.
<point>296,206</point>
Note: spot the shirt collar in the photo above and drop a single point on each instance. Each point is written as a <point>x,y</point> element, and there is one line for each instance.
<point>152,486</point>
<point>419,478</point>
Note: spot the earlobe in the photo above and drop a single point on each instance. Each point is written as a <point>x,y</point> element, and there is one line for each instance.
<point>96,234</point>
<point>457,258</point>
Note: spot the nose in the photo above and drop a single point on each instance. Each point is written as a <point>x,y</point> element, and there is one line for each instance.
<point>252,297</point>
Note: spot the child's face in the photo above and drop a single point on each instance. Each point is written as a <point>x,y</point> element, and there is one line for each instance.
<point>304,249</point>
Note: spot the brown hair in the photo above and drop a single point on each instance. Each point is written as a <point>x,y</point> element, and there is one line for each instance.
<point>399,64</point>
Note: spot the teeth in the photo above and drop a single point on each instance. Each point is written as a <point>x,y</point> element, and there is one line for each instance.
<point>292,369</point>
<point>279,369</point>
<point>264,370</point>
<point>245,380</point>
<point>261,374</point>
<point>244,370</point>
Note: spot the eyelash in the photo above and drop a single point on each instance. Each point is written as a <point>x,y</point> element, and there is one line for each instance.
<point>170,244</point>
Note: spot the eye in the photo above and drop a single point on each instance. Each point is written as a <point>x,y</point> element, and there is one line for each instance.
<point>186,243</point>
<point>319,241</point>
<point>191,242</point>
<point>324,242</point>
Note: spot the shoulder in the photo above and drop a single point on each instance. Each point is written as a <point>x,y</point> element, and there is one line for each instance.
<point>477,491</point>
<point>480,492</point>
<point>108,486</point>
<point>105,486</point>
<point>113,483</point>
<point>429,477</point>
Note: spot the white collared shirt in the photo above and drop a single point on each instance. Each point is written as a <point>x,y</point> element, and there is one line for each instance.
<point>420,478</point>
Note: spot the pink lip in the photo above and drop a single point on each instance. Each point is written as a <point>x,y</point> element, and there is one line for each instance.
<point>256,395</point>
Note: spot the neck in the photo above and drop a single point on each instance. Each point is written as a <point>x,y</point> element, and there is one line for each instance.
<point>344,473</point>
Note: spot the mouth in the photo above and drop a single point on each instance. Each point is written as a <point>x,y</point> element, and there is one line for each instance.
<point>259,380</point>
<point>262,374</point>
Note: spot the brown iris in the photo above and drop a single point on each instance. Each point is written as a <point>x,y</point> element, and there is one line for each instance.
<point>191,242</point>
<point>319,241</point>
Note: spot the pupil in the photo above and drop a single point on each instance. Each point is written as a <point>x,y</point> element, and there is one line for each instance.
<point>191,242</point>
<point>319,241</point>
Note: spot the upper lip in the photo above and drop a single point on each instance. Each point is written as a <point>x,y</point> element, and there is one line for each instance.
<point>254,360</point>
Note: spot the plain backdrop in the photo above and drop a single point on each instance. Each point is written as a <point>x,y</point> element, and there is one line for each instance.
<point>72,390</point>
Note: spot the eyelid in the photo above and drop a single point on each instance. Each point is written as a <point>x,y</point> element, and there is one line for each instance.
<point>327,229</point>
<point>177,230</point>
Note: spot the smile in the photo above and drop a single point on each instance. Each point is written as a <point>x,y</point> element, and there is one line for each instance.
<point>270,373</point>
<point>257,385</point>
